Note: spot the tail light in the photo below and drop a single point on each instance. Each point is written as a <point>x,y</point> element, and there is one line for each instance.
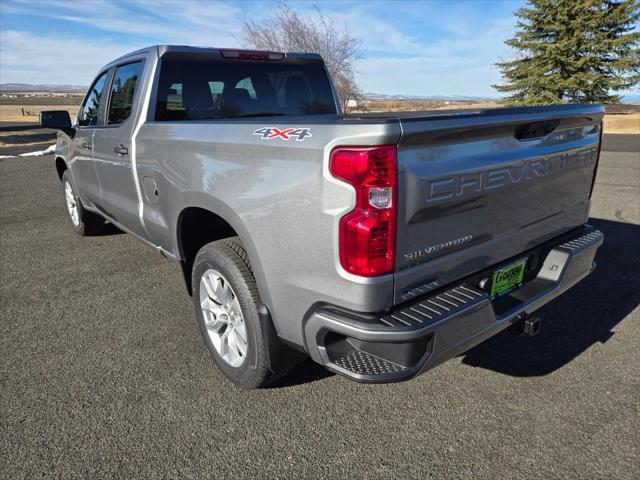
<point>368,232</point>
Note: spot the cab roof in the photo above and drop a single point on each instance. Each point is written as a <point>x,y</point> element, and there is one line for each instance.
<point>161,50</point>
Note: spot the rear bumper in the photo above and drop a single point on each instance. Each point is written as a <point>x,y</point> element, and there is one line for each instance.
<point>425,332</point>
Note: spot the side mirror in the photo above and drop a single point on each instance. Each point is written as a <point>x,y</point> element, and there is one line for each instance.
<point>56,119</point>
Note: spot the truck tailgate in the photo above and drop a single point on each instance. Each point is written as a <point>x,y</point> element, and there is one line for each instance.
<point>476,188</point>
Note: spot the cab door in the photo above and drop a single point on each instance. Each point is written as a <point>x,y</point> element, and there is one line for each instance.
<point>112,149</point>
<point>81,154</point>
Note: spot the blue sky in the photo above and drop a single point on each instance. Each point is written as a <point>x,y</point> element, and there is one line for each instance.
<point>410,47</point>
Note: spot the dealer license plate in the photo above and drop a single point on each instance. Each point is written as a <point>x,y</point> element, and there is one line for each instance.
<point>508,278</point>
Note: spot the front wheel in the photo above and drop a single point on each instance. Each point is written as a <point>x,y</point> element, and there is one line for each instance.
<point>226,300</point>
<point>83,222</point>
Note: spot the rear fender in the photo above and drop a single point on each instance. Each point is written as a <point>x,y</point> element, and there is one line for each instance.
<point>218,207</point>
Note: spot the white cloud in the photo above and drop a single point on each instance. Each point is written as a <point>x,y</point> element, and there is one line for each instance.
<point>397,61</point>
<point>33,58</point>
<point>459,63</point>
<point>68,57</point>
<point>183,22</point>
<point>427,76</point>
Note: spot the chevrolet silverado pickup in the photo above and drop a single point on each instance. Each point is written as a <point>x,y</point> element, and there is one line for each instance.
<point>379,245</point>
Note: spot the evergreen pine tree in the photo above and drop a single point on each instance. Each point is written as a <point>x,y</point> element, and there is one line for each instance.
<point>578,51</point>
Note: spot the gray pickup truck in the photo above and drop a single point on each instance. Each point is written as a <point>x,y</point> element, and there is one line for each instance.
<point>378,245</point>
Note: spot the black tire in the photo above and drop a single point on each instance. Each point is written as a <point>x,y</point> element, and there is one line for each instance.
<point>88,223</point>
<point>229,258</point>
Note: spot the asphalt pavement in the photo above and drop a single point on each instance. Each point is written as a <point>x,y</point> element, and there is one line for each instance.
<point>103,373</point>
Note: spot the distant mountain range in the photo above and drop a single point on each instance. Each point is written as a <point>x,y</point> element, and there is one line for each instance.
<point>28,87</point>
<point>383,96</point>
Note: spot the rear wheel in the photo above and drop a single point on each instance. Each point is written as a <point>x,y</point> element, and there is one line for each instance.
<point>226,300</point>
<point>83,222</point>
<point>223,318</point>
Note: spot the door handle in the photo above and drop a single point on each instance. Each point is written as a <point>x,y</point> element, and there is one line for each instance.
<point>87,146</point>
<point>121,150</point>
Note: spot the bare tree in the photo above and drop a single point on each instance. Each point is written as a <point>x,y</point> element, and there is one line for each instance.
<point>288,30</point>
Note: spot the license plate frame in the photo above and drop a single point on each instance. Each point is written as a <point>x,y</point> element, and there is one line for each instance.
<point>508,278</point>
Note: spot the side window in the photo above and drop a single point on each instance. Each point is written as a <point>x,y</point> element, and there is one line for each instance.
<point>247,84</point>
<point>88,115</point>
<point>216,91</point>
<point>122,92</point>
<point>174,99</point>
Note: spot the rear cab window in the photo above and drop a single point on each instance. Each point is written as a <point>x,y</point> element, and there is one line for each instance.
<point>123,88</point>
<point>212,88</point>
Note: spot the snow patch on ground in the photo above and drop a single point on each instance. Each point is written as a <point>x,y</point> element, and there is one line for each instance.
<point>48,151</point>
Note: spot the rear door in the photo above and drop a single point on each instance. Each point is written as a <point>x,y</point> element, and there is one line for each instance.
<point>89,118</point>
<point>112,148</point>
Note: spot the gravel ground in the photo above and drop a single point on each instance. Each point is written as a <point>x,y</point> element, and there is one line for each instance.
<point>103,373</point>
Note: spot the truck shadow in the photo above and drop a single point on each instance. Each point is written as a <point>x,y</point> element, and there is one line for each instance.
<point>110,229</point>
<point>583,316</point>
<point>306,371</point>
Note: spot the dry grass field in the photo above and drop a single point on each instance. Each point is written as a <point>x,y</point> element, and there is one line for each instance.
<point>21,107</point>
<point>622,123</point>
<point>418,105</point>
<point>30,113</point>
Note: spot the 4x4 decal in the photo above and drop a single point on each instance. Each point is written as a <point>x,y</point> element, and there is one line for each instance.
<point>271,133</point>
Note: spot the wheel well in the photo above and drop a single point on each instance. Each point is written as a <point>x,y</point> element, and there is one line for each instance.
<point>196,228</point>
<point>61,166</point>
